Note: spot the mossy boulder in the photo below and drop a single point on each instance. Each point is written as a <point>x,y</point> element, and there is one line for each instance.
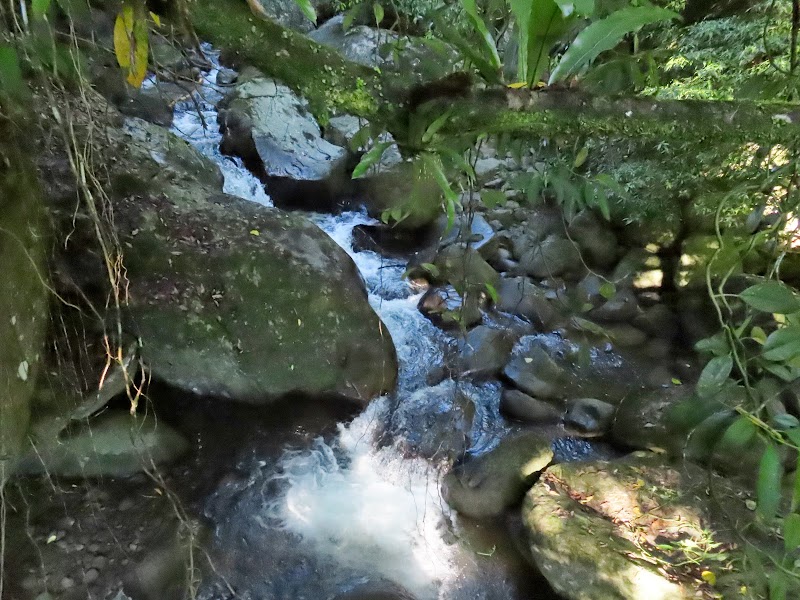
<point>114,444</point>
<point>231,298</point>
<point>489,484</point>
<point>237,300</point>
<point>636,529</point>
<point>23,299</point>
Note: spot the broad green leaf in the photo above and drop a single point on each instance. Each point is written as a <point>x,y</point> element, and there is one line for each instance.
<point>580,159</point>
<point>435,126</point>
<point>39,8</point>
<point>759,335</point>
<point>351,15</point>
<point>370,158</point>
<point>704,437</point>
<point>714,376</point>
<point>739,434</point>
<point>782,345</point>
<point>604,34</point>
<point>431,268</point>
<point>434,164</point>
<point>546,25</point>
<point>489,47</point>
<point>768,485</point>
<point>492,198</point>
<point>307,9</point>
<point>717,345</point>
<point>11,82</point>
<point>771,297</point>
<point>492,293</point>
<point>608,290</point>
<point>377,10</point>
<point>778,585</point>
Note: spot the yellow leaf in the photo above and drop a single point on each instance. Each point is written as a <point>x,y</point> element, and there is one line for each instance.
<point>709,577</point>
<point>156,19</point>
<point>52,538</point>
<point>518,85</point>
<point>122,40</point>
<point>131,44</point>
<point>254,232</point>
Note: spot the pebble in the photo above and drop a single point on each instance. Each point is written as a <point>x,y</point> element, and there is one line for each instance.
<point>94,548</point>
<point>99,562</point>
<point>32,582</point>
<point>67,583</point>
<point>125,505</point>
<point>91,576</point>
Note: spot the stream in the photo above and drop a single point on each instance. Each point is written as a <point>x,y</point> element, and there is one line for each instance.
<point>348,512</point>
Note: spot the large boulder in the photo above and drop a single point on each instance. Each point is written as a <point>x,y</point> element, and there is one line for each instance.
<point>465,269</point>
<point>287,13</point>
<point>516,405</point>
<point>115,444</point>
<point>555,256</point>
<point>521,296</point>
<point>233,299</point>
<point>434,422</point>
<point>237,300</point>
<point>23,298</point>
<point>270,128</point>
<point>489,484</point>
<point>484,351</point>
<point>597,242</point>
<point>631,529</point>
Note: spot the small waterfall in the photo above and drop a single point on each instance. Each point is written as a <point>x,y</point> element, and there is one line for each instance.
<point>356,506</point>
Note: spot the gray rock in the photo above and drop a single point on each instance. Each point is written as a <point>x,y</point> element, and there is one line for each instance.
<point>597,242</point>
<point>226,77</point>
<point>270,128</point>
<point>485,351</point>
<point>487,168</point>
<point>446,308</point>
<point>434,422</point>
<point>288,14</point>
<point>623,307</point>
<point>114,444</point>
<point>465,269</point>
<point>520,296</point>
<point>659,321</point>
<point>90,576</point>
<point>556,256</point>
<point>360,44</point>
<point>589,417</point>
<point>624,335</point>
<point>341,130</point>
<point>225,312</point>
<point>522,407</point>
<point>489,484</point>
<point>537,374</point>
<point>474,231</point>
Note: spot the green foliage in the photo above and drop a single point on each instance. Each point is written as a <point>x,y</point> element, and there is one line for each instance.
<point>604,35</point>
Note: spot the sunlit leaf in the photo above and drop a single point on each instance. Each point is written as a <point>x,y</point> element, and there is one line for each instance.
<point>492,198</point>
<point>39,8</point>
<point>489,47</point>
<point>604,34</point>
<point>581,158</point>
<point>370,158</point>
<point>307,9</point>
<point>377,10</point>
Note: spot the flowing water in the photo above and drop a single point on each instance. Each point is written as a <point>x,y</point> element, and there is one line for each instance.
<point>324,517</point>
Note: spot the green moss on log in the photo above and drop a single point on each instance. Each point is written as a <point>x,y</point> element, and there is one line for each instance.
<point>328,81</point>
